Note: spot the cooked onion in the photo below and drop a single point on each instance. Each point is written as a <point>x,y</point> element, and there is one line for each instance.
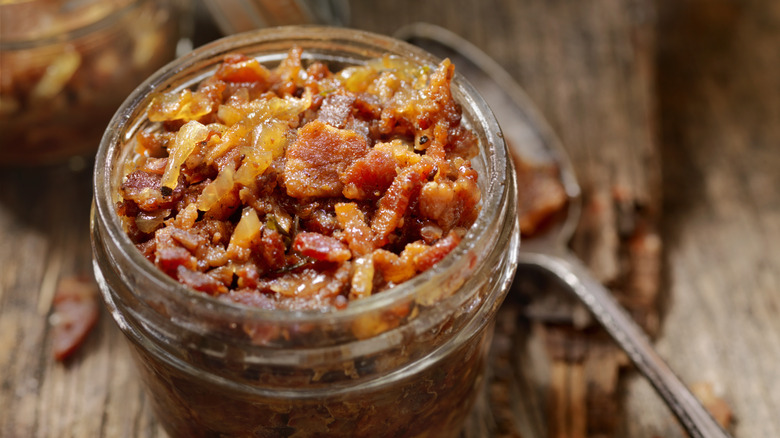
<point>247,229</point>
<point>184,106</point>
<point>216,190</point>
<point>187,138</point>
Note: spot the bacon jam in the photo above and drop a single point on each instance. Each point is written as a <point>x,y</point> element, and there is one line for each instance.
<point>298,187</point>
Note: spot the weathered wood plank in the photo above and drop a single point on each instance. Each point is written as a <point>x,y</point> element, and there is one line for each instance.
<point>719,103</point>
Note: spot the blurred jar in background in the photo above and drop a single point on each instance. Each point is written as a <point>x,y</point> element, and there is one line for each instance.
<point>235,16</point>
<point>66,65</point>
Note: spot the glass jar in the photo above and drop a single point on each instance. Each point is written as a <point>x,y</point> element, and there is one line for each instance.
<point>363,371</point>
<point>65,66</point>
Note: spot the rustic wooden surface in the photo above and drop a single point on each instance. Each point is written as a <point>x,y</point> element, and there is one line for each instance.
<point>630,87</point>
<point>719,106</point>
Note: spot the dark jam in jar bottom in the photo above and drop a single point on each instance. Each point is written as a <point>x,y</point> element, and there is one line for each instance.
<point>432,403</point>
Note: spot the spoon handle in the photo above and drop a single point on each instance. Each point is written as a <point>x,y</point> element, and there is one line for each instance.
<point>696,420</point>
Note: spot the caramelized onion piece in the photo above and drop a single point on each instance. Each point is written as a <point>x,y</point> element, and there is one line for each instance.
<point>186,106</point>
<point>247,230</point>
<point>187,138</point>
<point>216,190</point>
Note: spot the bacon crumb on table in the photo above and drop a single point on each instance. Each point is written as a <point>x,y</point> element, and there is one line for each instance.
<point>301,188</point>
<point>542,198</point>
<point>76,311</point>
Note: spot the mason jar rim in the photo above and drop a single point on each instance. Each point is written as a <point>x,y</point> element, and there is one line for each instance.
<point>112,142</point>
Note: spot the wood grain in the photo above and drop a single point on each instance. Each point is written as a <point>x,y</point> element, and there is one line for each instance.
<point>719,102</point>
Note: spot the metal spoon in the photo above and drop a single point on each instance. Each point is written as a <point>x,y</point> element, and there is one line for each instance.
<point>534,141</point>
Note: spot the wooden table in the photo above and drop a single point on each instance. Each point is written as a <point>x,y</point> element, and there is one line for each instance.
<point>670,110</point>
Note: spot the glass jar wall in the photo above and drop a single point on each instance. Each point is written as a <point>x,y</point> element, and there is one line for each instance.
<point>310,373</point>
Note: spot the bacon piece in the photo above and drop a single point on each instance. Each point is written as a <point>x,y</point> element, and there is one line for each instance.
<point>290,68</point>
<point>191,241</point>
<point>273,249</point>
<point>248,276</point>
<point>148,249</point>
<point>541,195</point>
<point>416,257</point>
<point>218,232</point>
<point>240,68</point>
<point>463,143</point>
<point>402,153</point>
<point>357,232</point>
<point>320,221</point>
<point>317,71</point>
<point>338,280</point>
<point>139,180</point>
<point>169,258</point>
<point>143,188</point>
<point>200,281</point>
<point>394,203</point>
<point>155,144</point>
<point>395,269</point>
<point>214,88</point>
<point>435,253</point>
<point>439,104</point>
<point>369,176</point>
<point>313,288</point>
<point>451,203</point>
<point>304,283</point>
<point>169,255</point>
<point>368,105</point>
<point>75,314</point>
<point>321,247</point>
<point>336,108</point>
<point>318,156</point>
